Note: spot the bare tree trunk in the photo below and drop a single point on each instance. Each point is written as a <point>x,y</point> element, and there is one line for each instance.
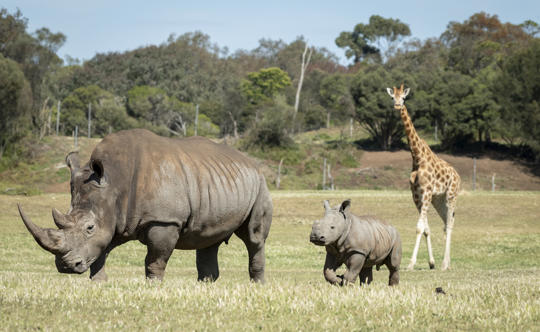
<point>196,119</point>
<point>42,115</point>
<point>350,127</point>
<point>330,178</point>
<point>305,64</point>
<point>235,126</point>
<point>278,178</point>
<point>327,119</point>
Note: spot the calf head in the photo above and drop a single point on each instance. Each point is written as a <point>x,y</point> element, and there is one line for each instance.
<point>83,233</point>
<point>332,226</point>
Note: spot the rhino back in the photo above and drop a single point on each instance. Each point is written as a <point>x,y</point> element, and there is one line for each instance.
<point>207,189</point>
<point>374,236</point>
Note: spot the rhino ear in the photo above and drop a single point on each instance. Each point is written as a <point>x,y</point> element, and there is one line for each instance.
<point>72,161</point>
<point>327,205</point>
<point>345,207</point>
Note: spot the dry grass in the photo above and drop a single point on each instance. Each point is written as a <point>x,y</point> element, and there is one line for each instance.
<point>494,283</point>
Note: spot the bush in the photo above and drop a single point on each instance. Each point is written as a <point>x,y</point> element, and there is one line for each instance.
<point>271,130</point>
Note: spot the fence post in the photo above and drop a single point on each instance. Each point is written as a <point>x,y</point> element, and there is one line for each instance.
<point>76,135</point>
<point>58,117</point>
<point>196,119</point>
<point>89,120</point>
<point>330,178</point>
<point>474,175</point>
<point>278,179</point>
<point>324,174</point>
<point>493,182</point>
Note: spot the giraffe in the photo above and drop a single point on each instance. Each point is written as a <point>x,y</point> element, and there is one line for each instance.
<point>432,180</point>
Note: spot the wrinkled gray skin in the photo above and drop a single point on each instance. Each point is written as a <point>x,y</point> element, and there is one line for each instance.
<point>358,242</point>
<point>168,194</point>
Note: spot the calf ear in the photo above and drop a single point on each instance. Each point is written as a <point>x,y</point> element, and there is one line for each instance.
<point>345,207</point>
<point>327,205</point>
<point>390,92</point>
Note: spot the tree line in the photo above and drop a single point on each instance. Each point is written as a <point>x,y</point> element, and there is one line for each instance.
<point>476,83</point>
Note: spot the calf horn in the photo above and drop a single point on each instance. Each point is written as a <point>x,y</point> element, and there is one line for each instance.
<point>60,219</point>
<point>49,239</point>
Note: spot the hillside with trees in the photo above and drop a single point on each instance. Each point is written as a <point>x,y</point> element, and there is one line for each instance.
<point>475,88</point>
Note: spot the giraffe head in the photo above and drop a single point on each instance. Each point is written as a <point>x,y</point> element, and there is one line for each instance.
<point>398,95</point>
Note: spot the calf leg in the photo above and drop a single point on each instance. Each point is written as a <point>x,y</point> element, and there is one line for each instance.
<point>160,241</point>
<point>366,275</point>
<point>207,263</point>
<point>354,265</point>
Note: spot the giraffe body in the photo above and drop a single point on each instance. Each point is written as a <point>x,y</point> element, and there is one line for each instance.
<point>432,180</point>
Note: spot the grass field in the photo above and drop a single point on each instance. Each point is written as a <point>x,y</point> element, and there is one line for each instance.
<point>493,284</point>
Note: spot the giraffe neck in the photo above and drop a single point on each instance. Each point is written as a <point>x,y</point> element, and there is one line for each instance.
<point>418,147</point>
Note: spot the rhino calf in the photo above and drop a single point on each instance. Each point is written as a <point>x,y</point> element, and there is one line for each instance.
<point>358,242</point>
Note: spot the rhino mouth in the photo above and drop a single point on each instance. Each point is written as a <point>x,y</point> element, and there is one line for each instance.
<point>317,242</point>
<point>73,267</point>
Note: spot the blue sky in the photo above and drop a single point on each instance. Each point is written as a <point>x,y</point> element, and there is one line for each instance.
<point>104,26</point>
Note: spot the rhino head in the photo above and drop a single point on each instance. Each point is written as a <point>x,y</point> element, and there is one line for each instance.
<point>332,226</point>
<point>82,233</point>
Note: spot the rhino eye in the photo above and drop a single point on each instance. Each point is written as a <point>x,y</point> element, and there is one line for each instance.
<point>90,228</point>
<point>332,227</point>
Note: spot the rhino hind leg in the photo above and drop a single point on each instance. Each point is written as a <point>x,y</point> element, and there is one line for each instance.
<point>207,263</point>
<point>254,232</point>
<point>393,262</point>
<point>160,240</point>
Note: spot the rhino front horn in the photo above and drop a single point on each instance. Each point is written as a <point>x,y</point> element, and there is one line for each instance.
<point>60,219</point>
<point>49,239</point>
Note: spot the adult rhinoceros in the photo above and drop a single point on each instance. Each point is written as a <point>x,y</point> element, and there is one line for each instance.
<point>169,194</point>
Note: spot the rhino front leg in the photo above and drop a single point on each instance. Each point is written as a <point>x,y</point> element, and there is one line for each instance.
<point>97,269</point>
<point>354,266</point>
<point>330,267</point>
<point>160,241</point>
<point>207,263</point>
<point>366,275</point>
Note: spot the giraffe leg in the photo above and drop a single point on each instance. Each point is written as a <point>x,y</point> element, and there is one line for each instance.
<point>422,227</point>
<point>449,225</point>
<point>427,234</point>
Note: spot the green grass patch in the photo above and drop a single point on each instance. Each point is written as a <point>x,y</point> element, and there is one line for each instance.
<point>493,283</point>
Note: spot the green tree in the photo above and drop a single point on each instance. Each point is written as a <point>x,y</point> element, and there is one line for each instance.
<point>35,53</point>
<point>108,112</point>
<point>15,103</point>
<point>374,41</point>
<point>374,109</point>
<point>262,86</point>
<point>271,130</point>
<point>335,97</point>
<point>481,41</point>
<point>518,93</point>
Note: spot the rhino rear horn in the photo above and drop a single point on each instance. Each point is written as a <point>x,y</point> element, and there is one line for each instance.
<point>61,220</point>
<point>49,239</point>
